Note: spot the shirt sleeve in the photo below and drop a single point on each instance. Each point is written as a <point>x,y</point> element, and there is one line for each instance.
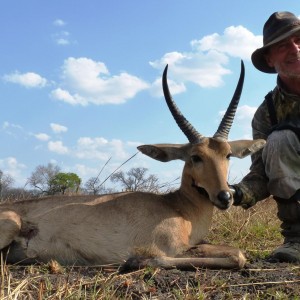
<point>255,184</point>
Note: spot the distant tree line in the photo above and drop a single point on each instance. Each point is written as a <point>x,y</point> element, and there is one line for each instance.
<point>50,180</point>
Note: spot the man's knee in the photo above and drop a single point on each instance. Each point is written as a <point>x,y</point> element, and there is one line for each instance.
<point>281,143</point>
<point>282,139</point>
<point>282,164</point>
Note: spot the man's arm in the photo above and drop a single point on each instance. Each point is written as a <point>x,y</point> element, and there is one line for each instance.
<point>254,186</point>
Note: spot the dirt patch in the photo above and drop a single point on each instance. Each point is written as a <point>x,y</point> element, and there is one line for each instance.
<point>258,280</point>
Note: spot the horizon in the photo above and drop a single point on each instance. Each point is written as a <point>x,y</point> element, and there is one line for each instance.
<point>81,81</point>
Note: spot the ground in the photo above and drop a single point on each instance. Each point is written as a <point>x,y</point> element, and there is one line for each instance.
<point>258,280</point>
<point>256,231</point>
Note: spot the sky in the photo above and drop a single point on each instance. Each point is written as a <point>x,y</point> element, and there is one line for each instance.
<point>80,81</point>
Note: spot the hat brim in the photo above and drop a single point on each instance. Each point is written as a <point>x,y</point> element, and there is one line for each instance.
<point>258,56</point>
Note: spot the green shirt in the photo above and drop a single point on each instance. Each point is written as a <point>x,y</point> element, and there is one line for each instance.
<point>287,107</point>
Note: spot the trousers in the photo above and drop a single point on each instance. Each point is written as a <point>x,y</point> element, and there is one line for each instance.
<point>281,157</point>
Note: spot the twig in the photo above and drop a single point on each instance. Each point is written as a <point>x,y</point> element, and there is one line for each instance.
<point>273,269</point>
<point>102,170</point>
<point>254,283</point>
<point>117,169</point>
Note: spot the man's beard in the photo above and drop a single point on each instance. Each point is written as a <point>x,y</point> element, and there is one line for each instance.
<point>282,70</point>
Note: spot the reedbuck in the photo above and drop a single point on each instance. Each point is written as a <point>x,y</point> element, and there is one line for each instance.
<point>138,228</point>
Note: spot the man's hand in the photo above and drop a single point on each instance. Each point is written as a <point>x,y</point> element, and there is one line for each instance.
<point>237,194</point>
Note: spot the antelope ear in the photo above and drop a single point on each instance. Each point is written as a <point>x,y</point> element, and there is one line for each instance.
<point>243,148</point>
<point>166,152</point>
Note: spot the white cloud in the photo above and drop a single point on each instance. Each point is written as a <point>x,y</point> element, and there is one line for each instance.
<point>11,166</point>
<point>86,172</point>
<point>236,41</point>
<point>175,87</point>
<point>62,38</point>
<point>65,96</point>
<point>242,121</point>
<point>203,69</point>
<point>29,80</point>
<point>62,41</point>
<point>205,63</point>
<point>86,81</point>
<point>245,112</point>
<point>7,125</point>
<point>14,130</point>
<point>57,128</point>
<point>57,147</point>
<point>42,136</point>
<point>59,23</point>
<point>92,148</point>
<point>101,149</point>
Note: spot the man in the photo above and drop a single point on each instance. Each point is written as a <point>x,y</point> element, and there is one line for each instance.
<point>275,169</point>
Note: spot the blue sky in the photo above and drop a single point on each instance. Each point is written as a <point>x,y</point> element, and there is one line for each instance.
<point>80,81</point>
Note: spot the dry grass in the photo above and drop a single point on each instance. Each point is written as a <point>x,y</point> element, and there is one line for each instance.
<point>255,230</point>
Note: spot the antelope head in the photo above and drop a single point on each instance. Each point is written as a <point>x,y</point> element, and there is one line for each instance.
<point>206,158</point>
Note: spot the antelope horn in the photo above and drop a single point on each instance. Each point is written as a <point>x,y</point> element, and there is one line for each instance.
<point>225,125</point>
<point>187,128</point>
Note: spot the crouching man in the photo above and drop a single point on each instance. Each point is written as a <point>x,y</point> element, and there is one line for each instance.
<point>275,170</point>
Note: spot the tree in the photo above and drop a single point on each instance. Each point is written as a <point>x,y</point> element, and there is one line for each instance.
<point>62,182</point>
<point>19,193</point>
<point>6,181</point>
<point>136,180</point>
<point>42,176</point>
<point>95,187</point>
<point>92,185</point>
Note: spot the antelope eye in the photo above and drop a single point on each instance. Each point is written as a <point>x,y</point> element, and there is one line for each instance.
<point>196,159</point>
<point>228,156</point>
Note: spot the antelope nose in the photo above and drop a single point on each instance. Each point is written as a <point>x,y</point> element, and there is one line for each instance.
<point>224,196</point>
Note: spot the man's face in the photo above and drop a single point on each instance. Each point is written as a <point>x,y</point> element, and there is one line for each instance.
<point>285,57</point>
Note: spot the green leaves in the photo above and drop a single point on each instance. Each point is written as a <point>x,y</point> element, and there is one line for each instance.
<point>62,182</point>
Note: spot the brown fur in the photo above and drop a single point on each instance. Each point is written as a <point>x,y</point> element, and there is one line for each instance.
<point>140,228</point>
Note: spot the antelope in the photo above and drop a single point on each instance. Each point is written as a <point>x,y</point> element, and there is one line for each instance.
<point>137,229</point>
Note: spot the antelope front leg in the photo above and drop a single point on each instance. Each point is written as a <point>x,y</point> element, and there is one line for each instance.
<point>10,225</point>
<point>216,256</point>
<point>200,256</point>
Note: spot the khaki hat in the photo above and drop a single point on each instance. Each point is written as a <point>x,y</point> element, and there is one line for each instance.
<point>278,27</point>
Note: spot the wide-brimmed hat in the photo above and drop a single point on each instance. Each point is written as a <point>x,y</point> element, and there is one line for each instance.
<point>279,26</point>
